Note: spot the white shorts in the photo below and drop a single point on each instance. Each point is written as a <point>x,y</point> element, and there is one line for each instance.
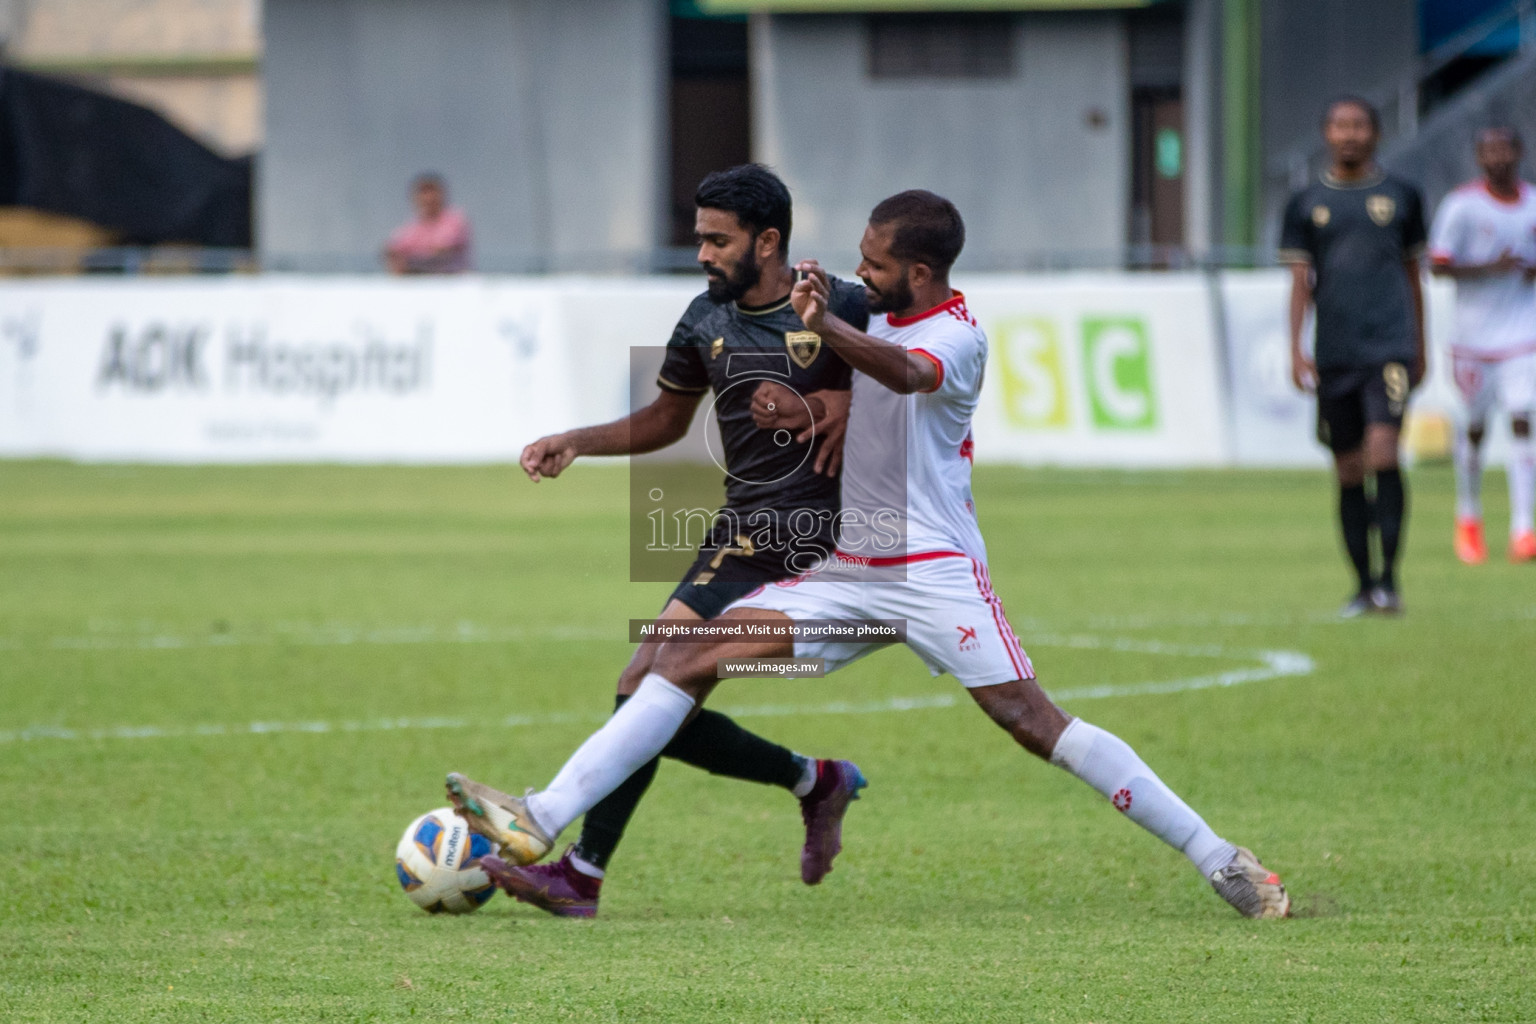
<point>955,623</point>
<point>1509,384</point>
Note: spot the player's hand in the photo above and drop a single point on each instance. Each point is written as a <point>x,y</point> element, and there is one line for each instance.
<point>776,406</point>
<point>810,294</point>
<point>548,456</point>
<point>831,424</point>
<point>1303,372</point>
<point>1506,262</point>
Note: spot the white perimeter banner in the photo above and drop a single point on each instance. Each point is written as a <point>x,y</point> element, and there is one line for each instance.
<point>286,369</point>
<point>1099,369</point>
<point>1085,369</point>
<point>1273,424</point>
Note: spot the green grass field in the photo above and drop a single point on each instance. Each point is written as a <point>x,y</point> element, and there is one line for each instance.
<point>225,691</point>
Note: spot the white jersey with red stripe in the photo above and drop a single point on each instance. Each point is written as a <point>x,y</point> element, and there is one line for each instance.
<point>909,549</point>
<point>1495,315</point>
<point>907,458</point>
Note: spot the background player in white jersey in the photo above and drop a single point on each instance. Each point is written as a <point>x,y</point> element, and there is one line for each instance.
<point>1484,236</point>
<point>918,375</point>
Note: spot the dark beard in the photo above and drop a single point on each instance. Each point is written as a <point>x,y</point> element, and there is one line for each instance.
<point>898,298</point>
<point>742,279</point>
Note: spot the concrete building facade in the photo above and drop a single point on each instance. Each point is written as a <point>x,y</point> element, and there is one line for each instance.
<point>1036,156</point>
<point>1095,133</point>
<point>545,118</point>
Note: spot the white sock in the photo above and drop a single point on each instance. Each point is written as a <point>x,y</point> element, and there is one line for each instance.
<point>586,867</point>
<point>1109,765</point>
<point>635,734</point>
<point>1469,478</point>
<point>1522,483</point>
<point>807,776</point>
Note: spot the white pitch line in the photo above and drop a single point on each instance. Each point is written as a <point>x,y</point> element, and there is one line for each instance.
<point>316,636</point>
<point>1271,665</point>
<point>1276,665</point>
<point>1032,631</point>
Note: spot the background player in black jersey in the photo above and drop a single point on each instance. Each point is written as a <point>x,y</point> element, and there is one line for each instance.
<point>1354,240</point>
<point>742,339</point>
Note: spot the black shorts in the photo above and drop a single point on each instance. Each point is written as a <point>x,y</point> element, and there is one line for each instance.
<point>1349,398</point>
<point>725,572</point>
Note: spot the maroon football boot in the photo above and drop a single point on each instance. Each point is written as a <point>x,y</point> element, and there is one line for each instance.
<point>822,809</point>
<point>557,887</point>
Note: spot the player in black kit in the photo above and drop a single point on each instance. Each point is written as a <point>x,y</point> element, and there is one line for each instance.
<point>1354,240</point>
<point>741,339</point>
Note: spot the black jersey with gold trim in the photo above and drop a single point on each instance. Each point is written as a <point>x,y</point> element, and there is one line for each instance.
<point>1357,236</point>
<point>725,348</point>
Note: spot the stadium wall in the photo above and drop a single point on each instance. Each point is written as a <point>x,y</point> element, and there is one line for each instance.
<point>1314,50</point>
<point>1057,126</point>
<point>1084,369</point>
<point>1311,52</point>
<point>1440,156</point>
<point>541,115</point>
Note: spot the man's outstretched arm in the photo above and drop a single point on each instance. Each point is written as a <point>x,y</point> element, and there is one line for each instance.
<point>893,366</point>
<point>659,424</point>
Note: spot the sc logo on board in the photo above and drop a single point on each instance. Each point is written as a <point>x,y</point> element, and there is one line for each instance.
<point>1113,368</point>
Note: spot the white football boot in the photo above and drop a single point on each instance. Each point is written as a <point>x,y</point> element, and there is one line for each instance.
<point>1251,888</point>
<point>500,817</point>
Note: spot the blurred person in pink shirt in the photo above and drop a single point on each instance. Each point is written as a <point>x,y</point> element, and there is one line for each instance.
<point>437,241</point>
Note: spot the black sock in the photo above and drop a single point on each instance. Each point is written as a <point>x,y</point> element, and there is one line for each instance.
<point>1391,514</point>
<point>714,742</point>
<point>1355,518</point>
<point>711,741</point>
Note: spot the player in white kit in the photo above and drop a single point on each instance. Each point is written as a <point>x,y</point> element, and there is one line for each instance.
<point>909,548</point>
<point>1484,236</point>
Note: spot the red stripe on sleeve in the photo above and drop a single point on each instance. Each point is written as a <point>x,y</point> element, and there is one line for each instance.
<point>937,365</point>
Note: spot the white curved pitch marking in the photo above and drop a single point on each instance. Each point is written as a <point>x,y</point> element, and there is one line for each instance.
<point>1272,664</point>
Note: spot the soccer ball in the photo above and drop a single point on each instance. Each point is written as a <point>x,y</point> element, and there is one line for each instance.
<point>438,864</point>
